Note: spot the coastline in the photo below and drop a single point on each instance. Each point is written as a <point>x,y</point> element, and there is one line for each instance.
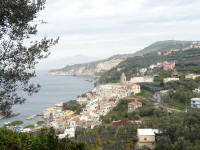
<point>53,90</point>
<point>95,78</point>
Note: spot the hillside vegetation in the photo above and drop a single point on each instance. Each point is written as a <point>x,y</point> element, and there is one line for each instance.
<point>186,62</point>
<point>98,67</point>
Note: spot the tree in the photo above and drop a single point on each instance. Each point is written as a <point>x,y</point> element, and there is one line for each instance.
<point>179,131</point>
<point>45,139</point>
<point>18,54</point>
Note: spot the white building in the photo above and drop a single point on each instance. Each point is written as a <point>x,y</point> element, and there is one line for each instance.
<point>123,78</point>
<point>152,66</point>
<point>142,79</point>
<point>143,70</point>
<point>165,80</point>
<point>197,90</point>
<point>195,102</point>
<point>69,131</point>
<point>192,76</point>
<point>82,100</point>
<point>59,104</point>
<point>135,88</point>
<point>146,137</point>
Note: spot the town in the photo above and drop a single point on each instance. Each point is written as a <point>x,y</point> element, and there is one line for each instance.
<point>149,87</point>
<point>105,97</point>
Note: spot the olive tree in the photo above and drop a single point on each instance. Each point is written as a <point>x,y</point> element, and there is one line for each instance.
<point>18,54</point>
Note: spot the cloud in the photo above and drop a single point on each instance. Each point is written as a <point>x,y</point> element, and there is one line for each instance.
<point>101,28</point>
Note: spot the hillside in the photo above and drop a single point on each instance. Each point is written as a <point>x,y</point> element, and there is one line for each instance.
<point>98,67</point>
<point>186,61</point>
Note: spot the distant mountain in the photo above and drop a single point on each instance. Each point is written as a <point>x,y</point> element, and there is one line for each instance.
<point>96,68</point>
<point>61,62</point>
<point>163,46</point>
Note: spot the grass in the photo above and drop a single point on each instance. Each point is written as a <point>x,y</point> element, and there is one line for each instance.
<point>29,126</point>
<point>40,122</point>
<point>15,123</point>
<point>143,94</point>
<point>178,105</point>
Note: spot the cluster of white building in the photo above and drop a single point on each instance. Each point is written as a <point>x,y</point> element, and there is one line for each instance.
<point>192,76</point>
<point>142,79</point>
<point>195,44</point>
<point>97,103</point>
<point>165,80</point>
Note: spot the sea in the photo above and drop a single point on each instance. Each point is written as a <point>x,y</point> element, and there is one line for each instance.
<point>54,89</point>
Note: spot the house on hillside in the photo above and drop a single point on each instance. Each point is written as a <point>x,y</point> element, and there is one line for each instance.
<point>192,76</point>
<point>143,71</point>
<point>146,138</point>
<point>82,100</point>
<point>142,79</point>
<point>165,80</point>
<point>197,90</point>
<point>132,106</point>
<point>133,88</point>
<point>195,102</point>
<point>119,123</point>
<point>153,66</point>
<point>169,66</point>
<point>69,131</point>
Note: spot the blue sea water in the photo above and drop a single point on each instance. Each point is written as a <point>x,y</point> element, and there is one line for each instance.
<point>54,89</point>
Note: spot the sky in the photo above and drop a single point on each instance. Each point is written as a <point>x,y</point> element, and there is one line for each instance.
<point>95,29</point>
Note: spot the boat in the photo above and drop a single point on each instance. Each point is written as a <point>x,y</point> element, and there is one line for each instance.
<point>31,117</point>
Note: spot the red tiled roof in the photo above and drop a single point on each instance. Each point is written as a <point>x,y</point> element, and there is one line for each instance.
<point>131,98</point>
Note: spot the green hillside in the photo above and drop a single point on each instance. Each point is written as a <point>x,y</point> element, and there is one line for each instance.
<point>163,46</point>
<point>92,66</point>
<point>186,61</point>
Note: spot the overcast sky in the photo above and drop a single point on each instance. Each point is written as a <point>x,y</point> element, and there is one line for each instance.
<point>96,29</point>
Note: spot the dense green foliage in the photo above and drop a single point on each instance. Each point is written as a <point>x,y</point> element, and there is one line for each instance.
<point>45,139</point>
<point>181,91</point>
<point>180,132</point>
<point>14,123</point>
<point>29,126</point>
<point>73,105</point>
<point>17,60</point>
<point>108,138</point>
<point>40,122</point>
<point>120,112</point>
<point>163,46</point>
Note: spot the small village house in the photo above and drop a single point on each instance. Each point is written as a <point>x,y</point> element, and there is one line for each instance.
<point>165,80</point>
<point>195,102</point>
<point>169,66</point>
<point>142,79</point>
<point>132,106</point>
<point>197,90</point>
<point>146,137</point>
<point>192,76</point>
<point>69,131</point>
<point>82,100</point>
